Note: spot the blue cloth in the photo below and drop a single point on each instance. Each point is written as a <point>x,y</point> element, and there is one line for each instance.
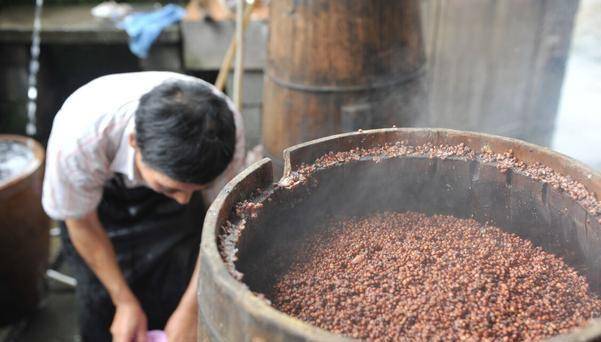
<point>144,28</point>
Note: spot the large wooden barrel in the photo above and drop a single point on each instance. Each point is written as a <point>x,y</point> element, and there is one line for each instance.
<point>24,237</point>
<point>544,213</point>
<point>338,66</point>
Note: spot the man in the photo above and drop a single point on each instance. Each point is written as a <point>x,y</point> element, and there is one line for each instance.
<point>132,162</point>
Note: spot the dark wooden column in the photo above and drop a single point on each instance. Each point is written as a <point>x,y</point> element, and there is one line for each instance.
<point>337,66</point>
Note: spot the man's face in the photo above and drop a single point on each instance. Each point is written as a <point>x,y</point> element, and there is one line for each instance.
<point>161,183</point>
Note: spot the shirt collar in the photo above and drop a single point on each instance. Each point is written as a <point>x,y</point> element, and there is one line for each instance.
<point>125,158</point>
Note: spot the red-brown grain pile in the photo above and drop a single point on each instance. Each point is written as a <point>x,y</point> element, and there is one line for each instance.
<point>407,276</point>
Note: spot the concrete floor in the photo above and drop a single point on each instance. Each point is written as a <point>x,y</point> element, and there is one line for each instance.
<point>56,319</point>
<point>578,134</point>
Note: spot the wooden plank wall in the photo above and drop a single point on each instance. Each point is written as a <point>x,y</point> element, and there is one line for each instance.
<point>497,66</point>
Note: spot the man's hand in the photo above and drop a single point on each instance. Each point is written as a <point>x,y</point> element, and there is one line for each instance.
<point>181,326</point>
<point>94,246</point>
<point>129,323</point>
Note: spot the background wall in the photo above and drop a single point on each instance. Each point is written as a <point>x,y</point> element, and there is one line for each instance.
<point>493,66</point>
<point>497,66</point>
<point>578,124</point>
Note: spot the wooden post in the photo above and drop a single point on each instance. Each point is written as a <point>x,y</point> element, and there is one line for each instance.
<point>231,50</point>
<point>239,71</point>
<point>339,66</point>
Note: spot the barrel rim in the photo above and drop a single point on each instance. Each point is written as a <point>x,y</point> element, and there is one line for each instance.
<point>293,156</point>
<point>257,308</point>
<point>38,153</point>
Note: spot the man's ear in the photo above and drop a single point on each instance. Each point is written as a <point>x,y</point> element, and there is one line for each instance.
<point>132,140</point>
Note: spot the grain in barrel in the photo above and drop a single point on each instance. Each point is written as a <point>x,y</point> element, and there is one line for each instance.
<point>395,276</point>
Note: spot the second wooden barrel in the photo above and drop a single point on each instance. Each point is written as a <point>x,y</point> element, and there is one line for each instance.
<point>24,237</point>
<point>337,66</point>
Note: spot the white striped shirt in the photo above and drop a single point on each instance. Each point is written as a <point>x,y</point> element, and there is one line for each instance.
<point>89,143</point>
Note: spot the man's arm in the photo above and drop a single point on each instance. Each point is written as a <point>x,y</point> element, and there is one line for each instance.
<point>182,324</point>
<point>92,243</point>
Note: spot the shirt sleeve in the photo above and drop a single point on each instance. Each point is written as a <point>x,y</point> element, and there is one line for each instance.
<point>73,179</point>
<point>235,166</point>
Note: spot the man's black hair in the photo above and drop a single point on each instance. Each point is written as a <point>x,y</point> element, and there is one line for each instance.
<point>185,131</point>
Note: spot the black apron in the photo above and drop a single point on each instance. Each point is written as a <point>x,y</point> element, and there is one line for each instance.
<point>156,241</point>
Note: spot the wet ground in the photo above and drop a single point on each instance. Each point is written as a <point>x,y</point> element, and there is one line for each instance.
<point>55,321</point>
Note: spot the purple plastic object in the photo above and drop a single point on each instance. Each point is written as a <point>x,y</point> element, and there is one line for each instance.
<point>156,336</point>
